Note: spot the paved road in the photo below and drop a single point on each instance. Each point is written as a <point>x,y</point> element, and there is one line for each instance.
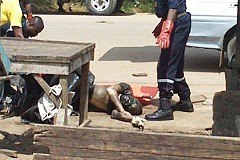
<point>125,45</point>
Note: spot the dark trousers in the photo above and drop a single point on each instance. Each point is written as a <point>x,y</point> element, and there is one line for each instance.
<point>170,66</point>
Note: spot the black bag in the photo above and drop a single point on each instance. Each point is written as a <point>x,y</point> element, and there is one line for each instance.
<point>161,8</point>
<point>74,86</point>
<point>15,100</point>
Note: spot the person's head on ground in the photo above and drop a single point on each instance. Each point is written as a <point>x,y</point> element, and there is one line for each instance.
<point>126,88</point>
<point>131,104</point>
<point>34,26</point>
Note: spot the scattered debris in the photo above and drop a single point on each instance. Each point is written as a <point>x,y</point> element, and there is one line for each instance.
<point>207,102</point>
<point>198,98</point>
<point>140,74</point>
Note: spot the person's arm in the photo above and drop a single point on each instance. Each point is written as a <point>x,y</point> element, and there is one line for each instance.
<point>15,19</point>
<point>113,94</point>
<point>18,32</point>
<point>29,11</point>
<point>163,40</point>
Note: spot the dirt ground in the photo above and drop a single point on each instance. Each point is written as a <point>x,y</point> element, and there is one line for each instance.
<point>18,137</point>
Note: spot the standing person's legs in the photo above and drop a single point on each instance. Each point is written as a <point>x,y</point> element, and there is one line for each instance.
<point>180,85</point>
<point>165,87</point>
<point>168,65</point>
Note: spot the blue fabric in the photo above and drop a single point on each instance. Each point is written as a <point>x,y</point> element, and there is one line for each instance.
<point>5,61</point>
<point>162,6</point>
<point>171,61</point>
<point>180,5</point>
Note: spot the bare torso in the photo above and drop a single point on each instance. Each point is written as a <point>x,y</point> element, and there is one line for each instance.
<point>100,98</point>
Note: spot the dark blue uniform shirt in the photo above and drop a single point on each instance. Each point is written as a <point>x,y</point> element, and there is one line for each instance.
<point>179,5</point>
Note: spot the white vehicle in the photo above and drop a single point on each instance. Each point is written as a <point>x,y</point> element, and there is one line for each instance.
<point>105,7</point>
<point>214,27</point>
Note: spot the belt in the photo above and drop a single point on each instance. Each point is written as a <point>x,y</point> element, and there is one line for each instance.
<point>181,14</point>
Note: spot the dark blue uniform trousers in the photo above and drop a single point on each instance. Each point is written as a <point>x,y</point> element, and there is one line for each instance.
<point>170,66</point>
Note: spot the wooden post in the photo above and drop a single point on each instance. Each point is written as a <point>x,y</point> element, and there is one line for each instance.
<point>64,96</point>
<point>84,93</point>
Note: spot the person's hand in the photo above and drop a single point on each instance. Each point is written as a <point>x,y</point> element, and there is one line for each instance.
<point>29,16</point>
<point>127,113</point>
<point>138,122</point>
<point>163,40</point>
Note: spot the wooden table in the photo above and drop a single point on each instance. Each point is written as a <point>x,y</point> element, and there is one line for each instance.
<point>52,57</point>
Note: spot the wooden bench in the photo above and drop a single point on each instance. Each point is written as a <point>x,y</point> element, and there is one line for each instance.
<point>52,57</point>
<point>94,143</point>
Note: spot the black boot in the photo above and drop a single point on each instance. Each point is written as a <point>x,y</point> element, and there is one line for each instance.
<point>163,113</point>
<point>184,106</point>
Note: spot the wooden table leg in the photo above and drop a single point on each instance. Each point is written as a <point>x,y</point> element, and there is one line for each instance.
<point>46,88</point>
<point>64,97</point>
<point>84,93</point>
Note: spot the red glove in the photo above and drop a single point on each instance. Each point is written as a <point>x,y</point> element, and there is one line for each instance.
<point>163,40</point>
<point>29,16</point>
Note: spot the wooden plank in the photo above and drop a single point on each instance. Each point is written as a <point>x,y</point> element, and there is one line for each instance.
<point>5,78</point>
<point>165,141</point>
<point>102,140</point>
<point>109,154</point>
<point>84,93</point>
<point>46,89</point>
<point>51,51</point>
<point>9,153</point>
<point>39,156</point>
<point>45,68</point>
<point>86,56</point>
<point>109,134</point>
<point>185,148</point>
<point>86,123</point>
<point>64,97</point>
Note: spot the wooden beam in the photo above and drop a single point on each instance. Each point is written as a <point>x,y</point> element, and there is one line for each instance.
<point>46,88</point>
<point>83,110</point>
<point>9,153</point>
<point>106,143</point>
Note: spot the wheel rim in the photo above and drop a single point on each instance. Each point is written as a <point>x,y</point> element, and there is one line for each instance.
<point>100,5</point>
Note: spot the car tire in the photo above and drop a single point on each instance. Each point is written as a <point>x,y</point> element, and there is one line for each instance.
<point>118,6</point>
<point>231,74</point>
<point>106,7</point>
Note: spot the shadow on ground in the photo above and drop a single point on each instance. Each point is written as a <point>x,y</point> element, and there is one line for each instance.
<point>196,60</point>
<point>23,144</point>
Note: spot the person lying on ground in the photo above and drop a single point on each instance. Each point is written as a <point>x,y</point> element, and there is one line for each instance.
<point>106,98</point>
<point>30,28</point>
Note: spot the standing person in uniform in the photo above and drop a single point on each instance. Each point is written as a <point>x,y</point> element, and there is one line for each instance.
<point>172,34</point>
<point>11,12</point>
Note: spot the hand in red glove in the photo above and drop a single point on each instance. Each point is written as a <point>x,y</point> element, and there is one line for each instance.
<point>163,40</point>
<point>29,16</point>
